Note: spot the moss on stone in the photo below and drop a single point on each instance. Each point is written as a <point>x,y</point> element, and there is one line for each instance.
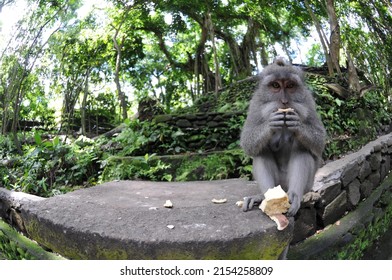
<point>365,237</point>
<point>267,248</point>
<point>15,246</point>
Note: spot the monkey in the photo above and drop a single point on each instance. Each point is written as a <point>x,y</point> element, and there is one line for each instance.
<point>283,134</point>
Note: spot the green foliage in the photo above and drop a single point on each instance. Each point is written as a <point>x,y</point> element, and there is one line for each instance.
<point>350,122</point>
<point>231,164</point>
<point>50,167</point>
<point>136,168</point>
<point>15,246</point>
<point>141,137</point>
<point>101,114</point>
<point>187,167</point>
<point>7,148</point>
<point>315,56</point>
<point>10,250</point>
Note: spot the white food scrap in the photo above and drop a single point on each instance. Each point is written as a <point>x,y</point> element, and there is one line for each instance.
<point>168,204</point>
<point>219,201</point>
<point>239,203</point>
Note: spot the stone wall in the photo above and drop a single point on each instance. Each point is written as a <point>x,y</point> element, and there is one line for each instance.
<point>198,120</point>
<point>206,129</point>
<point>342,184</point>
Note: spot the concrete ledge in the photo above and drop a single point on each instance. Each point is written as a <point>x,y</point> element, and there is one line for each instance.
<point>127,220</point>
<point>10,204</point>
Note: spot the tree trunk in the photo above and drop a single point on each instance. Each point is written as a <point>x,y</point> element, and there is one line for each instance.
<point>84,103</point>
<point>353,79</point>
<point>118,47</point>
<point>263,55</point>
<point>248,48</point>
<point>199,57</point>
<point>334,44</point>
<point>120,93</point>
<point>323,39</point>
<point>218,82</point>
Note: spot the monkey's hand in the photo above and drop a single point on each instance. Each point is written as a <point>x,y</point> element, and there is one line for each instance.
<point>251,201</point>
<point>295,202</point>
<point>293,121</point>
<point>277,120</point>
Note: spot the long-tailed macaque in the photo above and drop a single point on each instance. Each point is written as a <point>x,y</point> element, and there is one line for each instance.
<point>283,134</point>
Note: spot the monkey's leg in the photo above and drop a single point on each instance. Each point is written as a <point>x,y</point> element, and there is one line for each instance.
<point>300,176</point>
<point>265,171</point>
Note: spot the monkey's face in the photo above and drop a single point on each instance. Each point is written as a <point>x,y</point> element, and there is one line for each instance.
<point>283,89</point>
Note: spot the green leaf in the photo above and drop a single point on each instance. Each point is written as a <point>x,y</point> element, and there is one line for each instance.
<point>56,141</point>
<point>37,138</point>
<point>338,102</point>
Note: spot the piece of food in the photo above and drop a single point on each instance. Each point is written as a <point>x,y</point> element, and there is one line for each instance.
<point>168,204</point>
<point>219,201</point>
<point>281,221</point>
<point>239,203</point>
<point>275,203</point>
<point>286,110</point>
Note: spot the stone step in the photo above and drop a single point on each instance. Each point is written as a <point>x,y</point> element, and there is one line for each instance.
<point>127,220</point>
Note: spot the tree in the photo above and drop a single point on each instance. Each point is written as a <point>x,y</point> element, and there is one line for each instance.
<point>178,50</point>
<point>80,61</point>
<point>369,40</point>
<point>4,3</point>
<point>28,45</point>
<point>325,43</point>
<point>118,46</point>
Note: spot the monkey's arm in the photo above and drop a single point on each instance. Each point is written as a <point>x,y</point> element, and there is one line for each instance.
<point>254,137</point>
<point>259,132</point>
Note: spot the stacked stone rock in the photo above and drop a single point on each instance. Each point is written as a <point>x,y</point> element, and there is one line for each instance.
<point>204,129</point>
<point>342,184</point>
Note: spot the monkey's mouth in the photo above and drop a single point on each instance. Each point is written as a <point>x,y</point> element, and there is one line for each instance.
<point>286,110</point>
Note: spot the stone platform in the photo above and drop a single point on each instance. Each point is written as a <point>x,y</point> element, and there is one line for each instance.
<point>127,220</point>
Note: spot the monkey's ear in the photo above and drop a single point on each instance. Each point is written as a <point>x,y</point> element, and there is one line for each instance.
<point>281,61</point>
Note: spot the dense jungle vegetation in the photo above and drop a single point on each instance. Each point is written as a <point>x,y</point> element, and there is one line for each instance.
<point>71,71</point>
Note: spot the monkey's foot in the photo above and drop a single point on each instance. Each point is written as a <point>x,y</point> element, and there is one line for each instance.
<point>251,201</point>
<point>311,197</point>
<point>295,204</point>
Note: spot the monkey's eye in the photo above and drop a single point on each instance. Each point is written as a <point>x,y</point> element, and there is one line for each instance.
<point>290,85</point>
<point>275,85</point>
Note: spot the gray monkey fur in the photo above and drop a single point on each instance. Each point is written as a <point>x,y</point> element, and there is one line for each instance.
<point>286,147</point>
